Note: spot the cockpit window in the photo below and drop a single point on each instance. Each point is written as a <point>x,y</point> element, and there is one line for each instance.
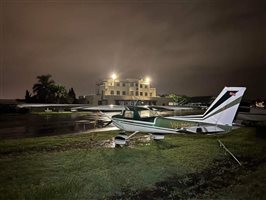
<point>128,114</point>
<point>147,113</point>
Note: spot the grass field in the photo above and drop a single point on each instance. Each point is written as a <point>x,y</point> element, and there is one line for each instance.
<point>180,167</point>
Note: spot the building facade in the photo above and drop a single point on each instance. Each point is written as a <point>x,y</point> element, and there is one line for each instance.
<point>127,87</point>
<point>125,92</point>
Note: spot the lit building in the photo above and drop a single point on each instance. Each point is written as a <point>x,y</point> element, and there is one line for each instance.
<point>125,92</point>
<point>127,87</point>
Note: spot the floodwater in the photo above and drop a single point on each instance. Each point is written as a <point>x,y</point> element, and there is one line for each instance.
<point>38,125</point>
<point>35,125</point>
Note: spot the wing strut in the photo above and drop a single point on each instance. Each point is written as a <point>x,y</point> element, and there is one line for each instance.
<point>132,134</point>
<point>121,139</point>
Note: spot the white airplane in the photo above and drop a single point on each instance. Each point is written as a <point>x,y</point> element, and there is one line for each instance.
<point>217,118</point>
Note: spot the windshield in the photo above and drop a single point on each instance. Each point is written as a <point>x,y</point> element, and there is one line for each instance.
<point>128,114</point>
<point>147,113</point>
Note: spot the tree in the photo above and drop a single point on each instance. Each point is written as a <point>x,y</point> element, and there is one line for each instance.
<point>43,88</point>
<point>179,100</point>
<point>59,94</point>
<point>46,91</point>
<point>27,97</point>
<point>174,97</point>
<point>72,96</point>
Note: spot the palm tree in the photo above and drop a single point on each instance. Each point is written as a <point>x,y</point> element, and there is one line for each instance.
<point>60,93</point>
<point>43,88</point>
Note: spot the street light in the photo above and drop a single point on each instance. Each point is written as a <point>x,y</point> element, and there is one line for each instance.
<point>147,80</point>
<point>114,76</point>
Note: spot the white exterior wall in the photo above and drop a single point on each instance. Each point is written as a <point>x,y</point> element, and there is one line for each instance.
<point>134,89</point>
<point>127,87</point>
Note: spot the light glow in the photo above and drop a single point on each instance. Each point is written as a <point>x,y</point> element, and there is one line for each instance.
<point>114,76</point>
<point>147,80</point>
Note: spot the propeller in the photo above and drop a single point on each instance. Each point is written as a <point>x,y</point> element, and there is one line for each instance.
<point>108,123</point>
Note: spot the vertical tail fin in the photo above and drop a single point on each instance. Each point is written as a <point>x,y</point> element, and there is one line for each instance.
<point>223,109</point>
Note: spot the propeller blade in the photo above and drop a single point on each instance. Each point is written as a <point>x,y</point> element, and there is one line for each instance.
<point>102,113</point>
<point>108,124</point>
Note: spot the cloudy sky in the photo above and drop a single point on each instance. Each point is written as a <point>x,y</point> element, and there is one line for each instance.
<point>187,47</point>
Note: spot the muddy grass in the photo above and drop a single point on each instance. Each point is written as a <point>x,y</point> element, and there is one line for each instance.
<point>90,143</point>
<point>221,174</point>
<point>180,167</point>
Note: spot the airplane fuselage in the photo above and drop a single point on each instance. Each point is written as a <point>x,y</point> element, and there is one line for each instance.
<point>151,125</point>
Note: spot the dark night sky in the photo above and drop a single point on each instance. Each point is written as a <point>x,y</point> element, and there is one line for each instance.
<point>187,47</point>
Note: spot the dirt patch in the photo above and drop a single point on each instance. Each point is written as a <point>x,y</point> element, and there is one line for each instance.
<point>88,144</point>
<point>57,148</point>
<point>220,175</point>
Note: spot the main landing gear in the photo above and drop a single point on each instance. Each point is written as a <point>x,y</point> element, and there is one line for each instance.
<point>122,139</point>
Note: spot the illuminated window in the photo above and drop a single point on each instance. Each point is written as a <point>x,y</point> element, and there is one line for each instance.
<point>147,113</point>
<point>128,114</point>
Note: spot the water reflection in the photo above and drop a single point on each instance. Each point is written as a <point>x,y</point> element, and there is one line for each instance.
<point>34,125</point>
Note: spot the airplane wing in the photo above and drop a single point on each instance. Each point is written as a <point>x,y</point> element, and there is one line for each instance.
<point>104,108</point>
<point>75,107</point>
